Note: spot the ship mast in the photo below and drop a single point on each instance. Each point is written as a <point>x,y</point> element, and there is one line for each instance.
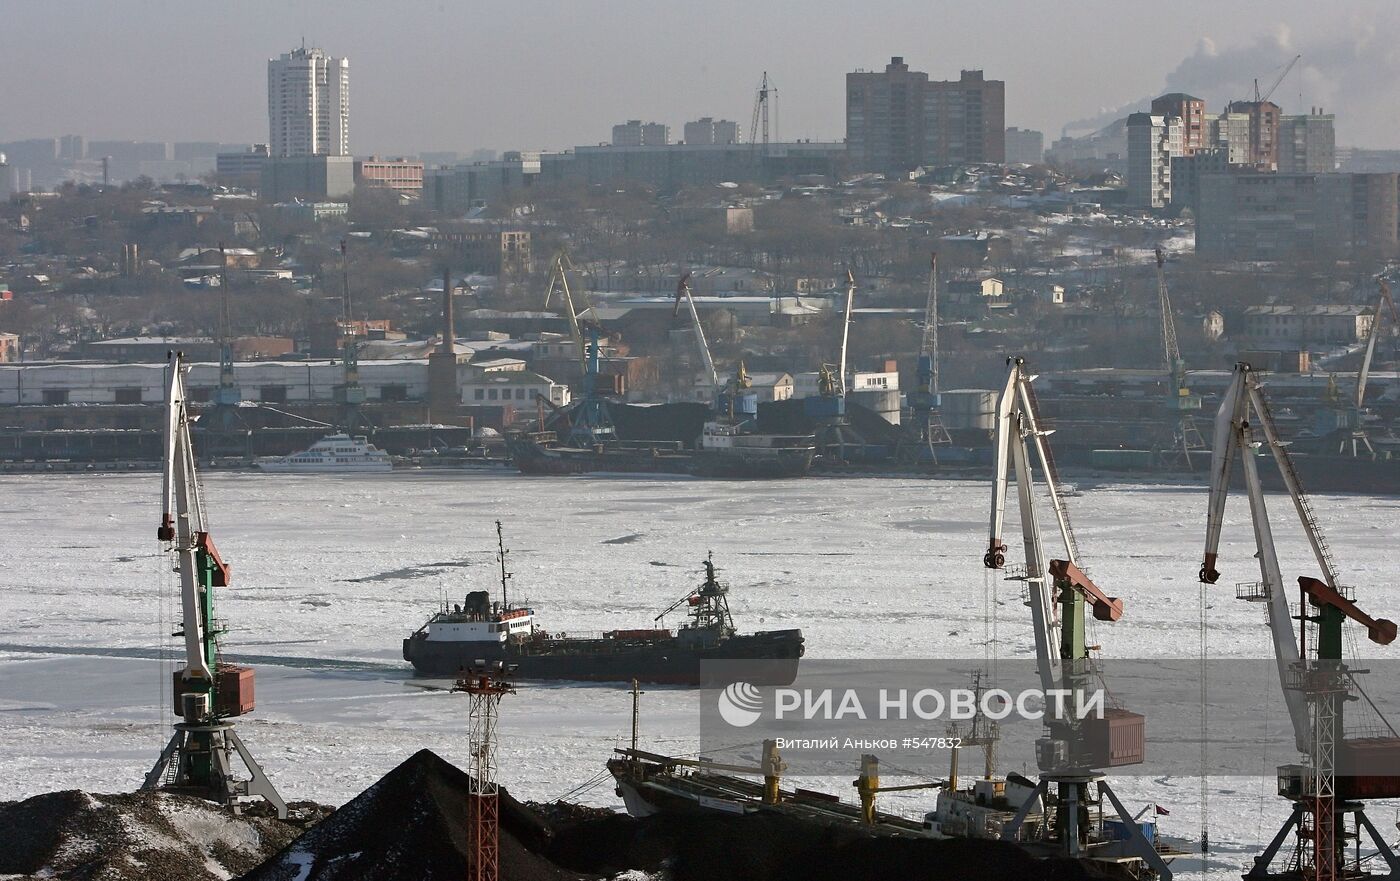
<point>501,558</point>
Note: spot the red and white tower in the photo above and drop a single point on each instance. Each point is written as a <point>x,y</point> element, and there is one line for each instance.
<point>485,686</point>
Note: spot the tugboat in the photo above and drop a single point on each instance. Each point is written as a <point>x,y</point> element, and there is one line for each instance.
<point>483,630</point>
<point>336,453</point>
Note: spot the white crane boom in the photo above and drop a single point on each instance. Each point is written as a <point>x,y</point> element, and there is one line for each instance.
<point>1171,350</point>
<point>183,520</point>
<point>1234,436</point>
<point>683,289</point>
<point>559,281</point>
<point>846,329</point>
<point>1365,372</point>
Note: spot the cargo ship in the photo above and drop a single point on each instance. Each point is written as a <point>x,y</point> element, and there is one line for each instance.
<point>483,631</point>
<point>725,450</point>
<point>989,807</point>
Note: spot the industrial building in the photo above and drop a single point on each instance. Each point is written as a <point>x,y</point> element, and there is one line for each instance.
<point>674,166</point>
<point>316,178</point>
<point>400,174</point>
<point>263,382</point>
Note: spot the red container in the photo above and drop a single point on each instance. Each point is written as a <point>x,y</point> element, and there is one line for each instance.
<point>1119,738</point>
<point>1369,767</point>
<point>233,695</point>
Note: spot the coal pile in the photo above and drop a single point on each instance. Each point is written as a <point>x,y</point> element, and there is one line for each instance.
<point>790,417</point>
<point>141,836</point>
<point>412,823</point>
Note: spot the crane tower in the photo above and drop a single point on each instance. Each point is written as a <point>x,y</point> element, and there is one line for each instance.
<point>484,687</point>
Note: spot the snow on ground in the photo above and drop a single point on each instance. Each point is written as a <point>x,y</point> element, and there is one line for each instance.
<point>331,572</point>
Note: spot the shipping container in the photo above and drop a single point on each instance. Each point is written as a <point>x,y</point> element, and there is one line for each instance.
<point>233,694</point>
<point>1369,768</point>
<point>1119,738</point>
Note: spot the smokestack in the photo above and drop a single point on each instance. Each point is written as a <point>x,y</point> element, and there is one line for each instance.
<point>449,332</point>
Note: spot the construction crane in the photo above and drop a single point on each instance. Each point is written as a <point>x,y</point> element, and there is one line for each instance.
<point>1059,593</point>
<point>207,693</point>
<point>1181,404</point>
<point>1354,438</point>
<point>1258,98</point>
<point>1315,688</point>
<point>683,291</point>
<point>766,95</point>
<point>590,421</point>
<point>919,438</point>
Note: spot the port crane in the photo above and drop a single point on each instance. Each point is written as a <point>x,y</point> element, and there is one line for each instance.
<point>683,292</point>
<point>590,422</point>
<point>1060,594</point>
<point>1181,403</point>
<point>1354,438</point>
<point>207,693</point>
<point>350,394</point>
<point>1316,682</point>
<point>828,407</point>
<point>919,440</point>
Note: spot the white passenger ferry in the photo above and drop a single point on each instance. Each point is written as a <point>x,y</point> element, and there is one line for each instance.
<point>333,453</point>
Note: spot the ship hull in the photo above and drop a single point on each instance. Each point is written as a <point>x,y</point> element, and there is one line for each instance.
<point>532,458</point>
<point>610,660</point>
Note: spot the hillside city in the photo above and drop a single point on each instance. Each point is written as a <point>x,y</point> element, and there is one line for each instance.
<point>114,253</point>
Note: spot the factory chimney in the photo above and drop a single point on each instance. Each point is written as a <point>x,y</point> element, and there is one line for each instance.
<point>444,399</point>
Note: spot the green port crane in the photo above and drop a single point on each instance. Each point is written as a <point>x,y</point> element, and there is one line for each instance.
<point>1181,403</point>
<point>199,757</point>
<point>1315,687</point>
<point>1059,593</point>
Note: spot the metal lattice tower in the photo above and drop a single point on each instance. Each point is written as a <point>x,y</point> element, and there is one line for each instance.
<point>485,688</point>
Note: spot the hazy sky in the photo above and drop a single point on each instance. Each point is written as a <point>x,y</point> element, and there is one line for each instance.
<point>461,74</point>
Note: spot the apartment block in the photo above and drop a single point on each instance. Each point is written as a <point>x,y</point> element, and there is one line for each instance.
<point>635,133</point>
<point>898,119</point>
<point>1152,142</point>
<point>1195,132</point>
<point>1278,216</point>
<point>707,130</point>
<point>1307,143</point>
<point>1024,146</point>
<point>308,104</point>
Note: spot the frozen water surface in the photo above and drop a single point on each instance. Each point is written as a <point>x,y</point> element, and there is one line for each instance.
<point>331,572</point>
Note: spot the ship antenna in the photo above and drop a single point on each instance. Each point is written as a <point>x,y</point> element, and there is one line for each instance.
<point>501,556</point>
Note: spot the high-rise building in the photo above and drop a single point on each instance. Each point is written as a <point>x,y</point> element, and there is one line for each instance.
<point>1307,143</point>
<point>897,119</point>
<point>1152,142</point>
<point>635,133</point>
<point>965,120</point>
<point>1263,132</point>
<point>1230,132</point>
<point>708,130</point>
<point>308,104</point>
<point>1195,132</point>
<point>1024,146</point>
